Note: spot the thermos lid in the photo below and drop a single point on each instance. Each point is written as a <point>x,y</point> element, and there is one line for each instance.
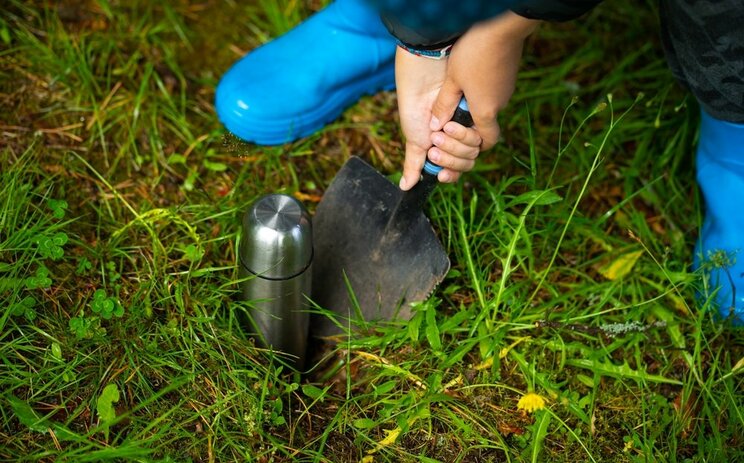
<point>277,240</point>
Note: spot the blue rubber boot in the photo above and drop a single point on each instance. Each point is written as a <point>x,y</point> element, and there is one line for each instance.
<point>294,85</point>
<point>720,249</point>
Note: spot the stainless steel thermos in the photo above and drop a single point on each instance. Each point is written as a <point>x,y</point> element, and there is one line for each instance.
<point>276,254</point>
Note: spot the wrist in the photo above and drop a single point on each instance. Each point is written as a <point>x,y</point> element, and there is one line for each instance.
<point>417,73</point>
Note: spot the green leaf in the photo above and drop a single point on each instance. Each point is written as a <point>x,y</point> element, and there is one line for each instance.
<point>193,253</point>
<point>620,266</point>
<point>24,307</point>
<point>432,335</point>
<point>450,323</point>
<point>83,266</point>
<point>536,198</point>
<point>104,404</point>
<point>118,310</point>
<point>542,421</point>
<point>177,159</point>
<point>40,280</point>
<point>51,247</point>
<point>5,35</point>
<point>57,351</point>
<point>384,388</point>
<point>106,306</point>
<point>457,355</point>
<point>26,415</point>
<point>80,327</point>
<point>413,327</point>
<point>619,371</point>
<point>58,207</point>
<point>214,166</point>
<point>17,310</point>
<point>313,392</point>
<point>364,423</point>
<point>291,387</point>
<point>585,380</point>
<point>99,298</point>
<point>432,330</point>
<point>190,181</point>
<point>278,407</point>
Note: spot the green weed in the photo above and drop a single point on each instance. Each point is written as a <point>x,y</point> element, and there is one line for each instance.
<point>120,198</point>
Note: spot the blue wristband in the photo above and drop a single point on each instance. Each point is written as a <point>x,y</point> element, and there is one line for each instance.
<point>433,54</point>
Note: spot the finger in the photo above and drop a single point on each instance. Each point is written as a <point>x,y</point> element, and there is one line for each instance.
<point>456,147</point>
<point>444,106</point>
<point>464,134</point>
<point>448,161</point>
<point>487,126</point>
<point>412,165</point>
<point>448,176</point>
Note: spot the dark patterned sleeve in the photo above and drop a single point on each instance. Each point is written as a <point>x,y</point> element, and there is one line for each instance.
<point>436,24</point>
<point>554,10</point>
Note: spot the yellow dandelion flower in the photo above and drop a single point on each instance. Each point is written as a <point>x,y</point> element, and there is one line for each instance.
<point>531,402</point>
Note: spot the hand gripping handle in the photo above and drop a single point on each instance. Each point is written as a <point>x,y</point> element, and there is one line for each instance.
<point>463,117</point>
<point>413,200</point>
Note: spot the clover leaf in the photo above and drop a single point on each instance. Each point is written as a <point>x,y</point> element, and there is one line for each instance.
<point>112,273</point>
<point>40,279</point>
<point>51,246</point>
<point>58,207</point>
<point>83,266</point>
<point>106,306</point>
<point>80,327</point>
<point>25,307</point>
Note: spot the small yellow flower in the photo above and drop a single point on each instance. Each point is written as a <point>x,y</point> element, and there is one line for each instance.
<point>628,446</point>
<point>531,402</point>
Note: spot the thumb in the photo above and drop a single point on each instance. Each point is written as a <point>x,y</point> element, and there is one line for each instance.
<point>445,105</point>
<point>487,125</point>
<point>412,165</point>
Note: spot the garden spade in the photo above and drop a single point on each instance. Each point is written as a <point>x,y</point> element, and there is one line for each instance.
<point>375,250</point>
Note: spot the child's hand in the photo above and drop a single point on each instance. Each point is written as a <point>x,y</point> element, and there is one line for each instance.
<point>419,81</point>
<point>456,148</point>
<point>483,66</point>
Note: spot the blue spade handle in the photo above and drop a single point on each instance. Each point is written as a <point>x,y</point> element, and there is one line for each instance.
<point>461,116</point>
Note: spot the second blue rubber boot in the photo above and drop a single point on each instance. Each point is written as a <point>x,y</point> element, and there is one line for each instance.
<point>720,249</point>
<point>294,85</point>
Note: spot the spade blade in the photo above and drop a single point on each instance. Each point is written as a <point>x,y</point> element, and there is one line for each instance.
<point>367,254</point>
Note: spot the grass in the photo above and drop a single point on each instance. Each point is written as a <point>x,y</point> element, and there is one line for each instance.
<point>571,241</point>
